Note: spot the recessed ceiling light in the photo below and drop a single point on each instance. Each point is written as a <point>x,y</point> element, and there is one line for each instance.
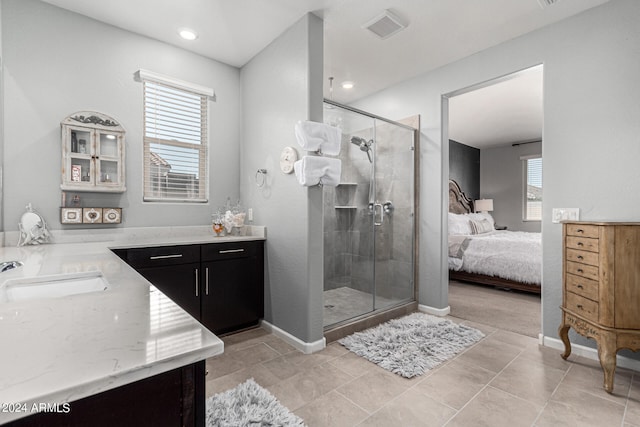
<point>347,85</point>
<point>188,34</point>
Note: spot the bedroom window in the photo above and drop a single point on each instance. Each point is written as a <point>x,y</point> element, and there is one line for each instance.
<point>175,140</point>
<point>532,189</point>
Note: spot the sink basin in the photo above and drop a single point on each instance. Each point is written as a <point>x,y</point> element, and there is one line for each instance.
<point>52,286</point>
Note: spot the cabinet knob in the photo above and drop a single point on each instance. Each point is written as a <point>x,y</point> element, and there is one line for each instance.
<point>579,306</point>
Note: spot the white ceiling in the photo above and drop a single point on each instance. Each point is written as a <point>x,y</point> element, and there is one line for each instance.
<point>501,113</point>
<point>439,31</point>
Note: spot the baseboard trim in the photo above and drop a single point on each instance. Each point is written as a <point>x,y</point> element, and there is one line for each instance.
<point>305,347</point>
<point>589,353</point>
<point>434,311</point>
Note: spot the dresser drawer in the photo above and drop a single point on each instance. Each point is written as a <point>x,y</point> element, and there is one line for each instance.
<point>582,270</point>
<point>583,230</point>
<point>583,257</point>
<point>585,287</point>
<point>582,306</point>
<point>582,243</point>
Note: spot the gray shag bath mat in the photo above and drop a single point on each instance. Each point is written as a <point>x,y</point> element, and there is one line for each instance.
<point>413,344</point>
<point>248,404</point>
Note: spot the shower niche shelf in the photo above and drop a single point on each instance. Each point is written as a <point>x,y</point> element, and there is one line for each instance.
<point>345,195</point>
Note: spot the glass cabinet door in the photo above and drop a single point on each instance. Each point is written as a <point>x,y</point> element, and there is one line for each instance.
<point>79,168</point>
<point>108,155</point>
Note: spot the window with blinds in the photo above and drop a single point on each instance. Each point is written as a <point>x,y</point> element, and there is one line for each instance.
<point>175,143</point>
<point>533,189</point>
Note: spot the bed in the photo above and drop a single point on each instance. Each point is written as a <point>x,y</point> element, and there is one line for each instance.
<point>480,254</point>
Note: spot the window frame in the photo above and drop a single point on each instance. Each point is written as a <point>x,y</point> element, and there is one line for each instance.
<point>152,82</point>
<point>525,187</point>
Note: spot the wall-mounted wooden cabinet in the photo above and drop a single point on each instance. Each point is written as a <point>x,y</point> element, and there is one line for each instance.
<point>92,153</point>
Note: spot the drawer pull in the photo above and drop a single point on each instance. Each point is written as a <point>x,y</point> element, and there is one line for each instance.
<point>580,230</point>
<point>231,251</point>
<point>579,286</point>
<point>580,270</point>
<point>579,306</point>
<point>166,256</point>
<point>580,257</point>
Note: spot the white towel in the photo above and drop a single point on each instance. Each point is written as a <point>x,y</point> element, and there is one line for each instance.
<point>314,170</point>
<point>313,136</point>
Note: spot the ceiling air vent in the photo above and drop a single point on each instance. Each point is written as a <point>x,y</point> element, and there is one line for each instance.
<point>546,3</point>
<point>385,25</point>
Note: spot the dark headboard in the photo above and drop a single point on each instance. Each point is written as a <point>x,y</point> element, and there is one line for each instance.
<point>459,203</point>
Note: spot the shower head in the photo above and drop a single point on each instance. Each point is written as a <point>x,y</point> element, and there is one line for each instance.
<point>363,144</point>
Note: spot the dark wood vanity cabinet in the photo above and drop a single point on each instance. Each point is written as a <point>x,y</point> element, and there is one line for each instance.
<point>175,398</point>
<point>234,296</point>
<point>220,284</point>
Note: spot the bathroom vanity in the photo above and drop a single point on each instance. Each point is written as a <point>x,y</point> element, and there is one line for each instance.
<point>103,345</point>
<point>220,284</point>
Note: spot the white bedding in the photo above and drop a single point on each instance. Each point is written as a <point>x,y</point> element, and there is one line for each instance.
<point>513,255</point>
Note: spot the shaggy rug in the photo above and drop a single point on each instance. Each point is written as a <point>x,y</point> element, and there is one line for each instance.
<point>248,404</point>
<point>413,344</point>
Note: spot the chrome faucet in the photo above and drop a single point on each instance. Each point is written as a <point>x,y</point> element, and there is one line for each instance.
<point>9,265</point>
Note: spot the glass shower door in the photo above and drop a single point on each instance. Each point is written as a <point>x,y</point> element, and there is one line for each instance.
<point>348,227</point>
<point>368,218</point>
<point>393,215</point>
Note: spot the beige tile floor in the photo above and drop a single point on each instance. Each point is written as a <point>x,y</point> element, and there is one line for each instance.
<point>504,380</point>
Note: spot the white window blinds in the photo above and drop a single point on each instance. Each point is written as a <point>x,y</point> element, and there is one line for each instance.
<point>533,189</point>
<point>175,143</point>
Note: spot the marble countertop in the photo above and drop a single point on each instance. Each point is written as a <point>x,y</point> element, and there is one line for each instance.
<point>63,348</point>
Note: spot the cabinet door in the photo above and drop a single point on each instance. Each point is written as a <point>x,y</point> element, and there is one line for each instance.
<point>109,160</point>
<point>233,296</point>
<point>179,282</point>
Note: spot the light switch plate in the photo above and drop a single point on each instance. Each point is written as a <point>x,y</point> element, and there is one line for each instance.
<point>565,214</point>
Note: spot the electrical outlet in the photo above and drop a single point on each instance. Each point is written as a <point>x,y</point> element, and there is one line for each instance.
<point>565,214</point>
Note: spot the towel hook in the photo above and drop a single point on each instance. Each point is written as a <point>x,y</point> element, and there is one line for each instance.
<point>261,177</point>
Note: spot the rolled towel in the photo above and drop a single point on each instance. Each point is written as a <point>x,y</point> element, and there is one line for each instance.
<point>314,170</point>
<point>313,136</point>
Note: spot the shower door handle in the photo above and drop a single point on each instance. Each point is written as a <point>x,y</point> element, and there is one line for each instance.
<point>375,214</point>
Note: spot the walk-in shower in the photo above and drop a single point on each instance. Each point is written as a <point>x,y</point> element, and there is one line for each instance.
<point>369,218</point>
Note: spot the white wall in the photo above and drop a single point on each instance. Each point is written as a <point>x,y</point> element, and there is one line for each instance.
<point>1,135</point>
<point>591,137</point>
<point>501,173</point>
<point>281,85</point>
<point>56,63</point>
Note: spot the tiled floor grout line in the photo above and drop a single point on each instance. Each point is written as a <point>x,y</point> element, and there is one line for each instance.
<point>546,403</point>
<point>487,385</point>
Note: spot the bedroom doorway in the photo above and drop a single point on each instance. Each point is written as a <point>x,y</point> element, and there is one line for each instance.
<point>494,130</point>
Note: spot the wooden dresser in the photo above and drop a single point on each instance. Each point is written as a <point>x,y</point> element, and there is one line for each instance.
<point>601,288</point>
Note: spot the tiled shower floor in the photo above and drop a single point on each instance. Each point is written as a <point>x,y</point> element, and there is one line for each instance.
<point>345,303</point>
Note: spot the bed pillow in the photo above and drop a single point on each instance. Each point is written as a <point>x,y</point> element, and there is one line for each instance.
<point>480,226</point>
<point>482,215</point>
<point>459,224</point>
